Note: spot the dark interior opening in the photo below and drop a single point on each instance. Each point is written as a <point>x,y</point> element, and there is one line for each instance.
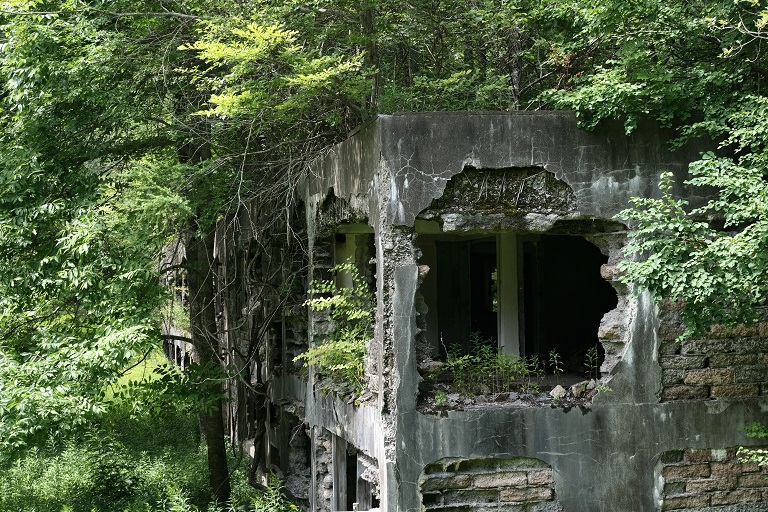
<point>466,291</point>
<point>482,265</point>
<point>351,478</point>
<point>564,298</point>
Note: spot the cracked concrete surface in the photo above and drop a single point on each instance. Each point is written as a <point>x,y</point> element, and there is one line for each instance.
<point>603,459</point>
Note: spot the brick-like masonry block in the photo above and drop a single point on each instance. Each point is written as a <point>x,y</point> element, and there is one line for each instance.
<point>672,456</point>
<point>730,468</point>
<point>452,482</point>
<point>684,393</point>
<point>431,499</point>
<point>526,494</point>
<point>731,360</point>
<point>670,333</point>
<point>745,374</point>
<point>739,496</point>
<point>685,471</point>
<point>735,390</point>
<point>753,480</point>
<point>679,502</point>
<point>697,455</point>
<point>497,480</point>
<point>707,455</point>
<point>470,496</point>
<point>668,348</point>
<point>671,377</point>
<point>709,376</point>
<point>752,344</point>
<point>674,488</point>
<point>711,484</point>
<point>682,362</point>
<point>721,331</point>
<point>704,348</point>
<point>540,477</point>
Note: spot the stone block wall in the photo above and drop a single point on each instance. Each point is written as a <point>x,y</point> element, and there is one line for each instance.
<point>322,466</point>
<point>728,363</point>
<point>711,479</point>
<point>517,484</point>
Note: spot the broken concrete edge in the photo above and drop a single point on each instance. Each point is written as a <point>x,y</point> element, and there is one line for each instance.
<point>422,152</point>
<point>619,436</point>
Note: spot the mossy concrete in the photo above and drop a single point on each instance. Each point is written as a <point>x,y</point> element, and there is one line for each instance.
<point>604,455</point>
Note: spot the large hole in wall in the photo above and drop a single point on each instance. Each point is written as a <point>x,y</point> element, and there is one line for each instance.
<point>564,298</point>
<point>526,294</point>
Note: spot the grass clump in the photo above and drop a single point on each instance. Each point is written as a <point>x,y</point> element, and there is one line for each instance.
<point>485,370</point>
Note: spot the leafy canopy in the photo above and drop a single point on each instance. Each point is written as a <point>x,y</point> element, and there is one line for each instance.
<point>697,66</point>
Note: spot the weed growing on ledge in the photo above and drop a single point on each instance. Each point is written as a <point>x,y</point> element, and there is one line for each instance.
<point>340,354</point>
<point>591,362</point>
<point>555,362</point>
<point>486,370</point>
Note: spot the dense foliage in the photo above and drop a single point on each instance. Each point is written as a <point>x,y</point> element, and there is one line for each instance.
<point>143,459</point>
<point>340,354</point>
<point>129,124</point>
<point>699,67</point>
<point>127,465</point>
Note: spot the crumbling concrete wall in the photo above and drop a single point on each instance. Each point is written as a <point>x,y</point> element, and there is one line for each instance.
<point>509,173</point>
<point>519,199</point>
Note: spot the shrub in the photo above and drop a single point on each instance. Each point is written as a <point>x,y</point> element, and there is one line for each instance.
<point>340,354</point>
<point>486,370</point>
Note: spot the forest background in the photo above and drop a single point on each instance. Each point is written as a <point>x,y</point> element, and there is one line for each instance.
<point>127,125</point>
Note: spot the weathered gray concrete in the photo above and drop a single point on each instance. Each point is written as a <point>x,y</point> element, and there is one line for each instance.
<point>604,456</point>
<point>603,459</point>
<point>422,152</point>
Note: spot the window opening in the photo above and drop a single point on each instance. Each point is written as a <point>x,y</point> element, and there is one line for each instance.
<point>530,293</point>
<point>351,468</point>
<point>465,291</point>
<point>482,270</point>
<point>357,244</point>
<point>564,298</point>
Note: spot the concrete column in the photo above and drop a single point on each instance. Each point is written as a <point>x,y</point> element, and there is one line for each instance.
<point>339,454</point>
<point>508,296</point>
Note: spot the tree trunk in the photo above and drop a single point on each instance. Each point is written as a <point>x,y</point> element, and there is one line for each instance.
<point>202,312</point>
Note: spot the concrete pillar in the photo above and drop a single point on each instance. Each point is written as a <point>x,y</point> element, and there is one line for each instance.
<point>507,293</point>
<point>339,455</point>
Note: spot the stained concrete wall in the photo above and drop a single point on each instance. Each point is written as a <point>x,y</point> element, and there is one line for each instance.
<point>604,456</point>
<point>421,152</point>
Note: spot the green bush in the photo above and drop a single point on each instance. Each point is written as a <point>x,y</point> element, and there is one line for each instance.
<point>758,455</point>
<point>341,354</point>
<point>136,458</point>
<point>125,464</point>
<point>486,370</point>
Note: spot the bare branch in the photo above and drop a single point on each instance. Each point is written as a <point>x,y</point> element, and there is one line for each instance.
<point>168,14</point>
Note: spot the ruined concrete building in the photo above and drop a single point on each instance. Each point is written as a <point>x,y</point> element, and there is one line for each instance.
<point>498,227</point>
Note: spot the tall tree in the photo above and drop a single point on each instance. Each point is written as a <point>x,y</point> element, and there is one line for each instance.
<point>110,149</point>
<point>698,66</point>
